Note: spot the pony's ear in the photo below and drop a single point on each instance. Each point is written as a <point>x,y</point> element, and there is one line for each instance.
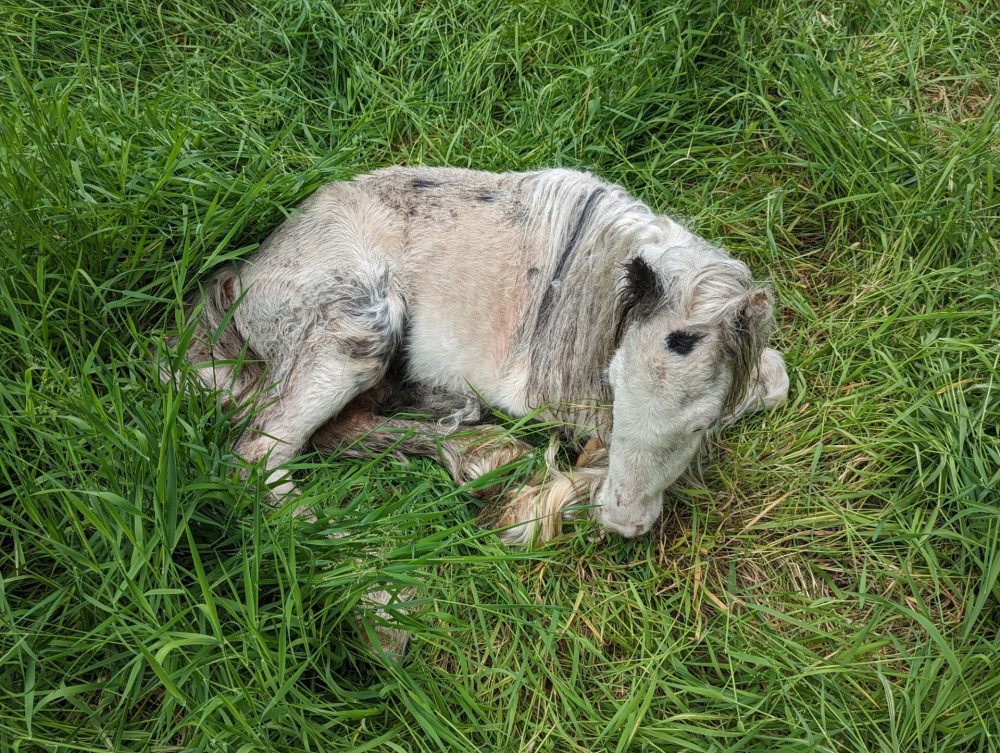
<point>747,327</point>
<point>640,294</point>
<point>744,332</point>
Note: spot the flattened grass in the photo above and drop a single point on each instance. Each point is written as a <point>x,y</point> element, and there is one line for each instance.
<point>834,586</point>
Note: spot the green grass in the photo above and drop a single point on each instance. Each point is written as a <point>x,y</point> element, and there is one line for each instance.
<point>834,587</point>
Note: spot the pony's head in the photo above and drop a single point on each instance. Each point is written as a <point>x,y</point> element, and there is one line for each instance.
<point>689,338</point>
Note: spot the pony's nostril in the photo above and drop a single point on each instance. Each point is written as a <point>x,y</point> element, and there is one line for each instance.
<point>712,425</point>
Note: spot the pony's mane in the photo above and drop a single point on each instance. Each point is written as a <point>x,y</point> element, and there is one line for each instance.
<point>582,229</point>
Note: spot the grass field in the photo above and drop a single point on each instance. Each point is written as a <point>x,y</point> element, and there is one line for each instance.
<point>834,587</point>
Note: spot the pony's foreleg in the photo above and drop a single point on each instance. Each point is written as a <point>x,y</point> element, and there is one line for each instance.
<point>532,509</point>
<point>468,454</point>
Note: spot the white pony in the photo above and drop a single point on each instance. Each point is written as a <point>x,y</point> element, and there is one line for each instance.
<point>436,290</point>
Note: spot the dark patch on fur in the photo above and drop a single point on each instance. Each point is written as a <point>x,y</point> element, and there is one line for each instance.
<point>487,197</point>
<point>421,399</point>
<point>424,183</point>
<point>532,271</point>
<point>740,332</point>
<point>641,295</point>
<point>574,238</point>
<point>362,382</point>
<point>681,342</point>
<point>516,213</point>
<point>370,309</point>
<point>545,308</point>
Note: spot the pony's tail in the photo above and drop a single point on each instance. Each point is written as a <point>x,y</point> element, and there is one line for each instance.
<point>219,353</point>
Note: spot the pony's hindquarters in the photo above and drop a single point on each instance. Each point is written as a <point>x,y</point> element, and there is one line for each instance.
<point>297,331</point>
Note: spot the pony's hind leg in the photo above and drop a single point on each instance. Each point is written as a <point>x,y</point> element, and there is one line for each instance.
<point>305,399</point>
<point>343,354</point>
<point>346,353</point>
<point>360,432</point>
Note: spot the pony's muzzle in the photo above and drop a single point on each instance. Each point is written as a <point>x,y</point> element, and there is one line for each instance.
<point>629,528</point>
<point>626,517</point>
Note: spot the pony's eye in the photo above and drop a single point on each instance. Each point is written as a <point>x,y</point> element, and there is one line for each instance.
<point>681,342</point>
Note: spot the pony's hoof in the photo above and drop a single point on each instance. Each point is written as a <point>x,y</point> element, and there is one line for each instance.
<point>391,641</point>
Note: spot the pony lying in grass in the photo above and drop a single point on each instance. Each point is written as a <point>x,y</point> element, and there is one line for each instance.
<point>434,290</point>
